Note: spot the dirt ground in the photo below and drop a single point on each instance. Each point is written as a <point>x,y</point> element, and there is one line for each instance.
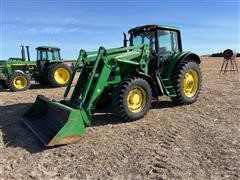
<point>198,141</point>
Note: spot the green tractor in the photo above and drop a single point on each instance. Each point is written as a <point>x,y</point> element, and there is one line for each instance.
<point>132,77</point>
<point>48,69</point>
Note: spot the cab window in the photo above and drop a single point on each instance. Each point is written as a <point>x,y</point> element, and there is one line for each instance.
<point>167,41</point>
<point>44,55</point>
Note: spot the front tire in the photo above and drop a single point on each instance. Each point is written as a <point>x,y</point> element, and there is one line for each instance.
<point>187,83</point>
<point>19,81</point>
<point>132,98</point>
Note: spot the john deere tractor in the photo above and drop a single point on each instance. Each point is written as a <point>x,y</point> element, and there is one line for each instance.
<point>48,69</point>
<point>132,77</point>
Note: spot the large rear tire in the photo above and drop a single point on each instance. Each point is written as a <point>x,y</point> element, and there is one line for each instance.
<point>132,98</point>
<point>59,75</point>
<point>187,83</point>
<point>19,81</point>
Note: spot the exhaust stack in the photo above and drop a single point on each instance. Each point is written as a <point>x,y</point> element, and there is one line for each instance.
<point>28,54</point>
<point>23,53</point>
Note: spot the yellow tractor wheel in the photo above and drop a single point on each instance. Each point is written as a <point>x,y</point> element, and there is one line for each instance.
<point>187,83</point>
<point>136,99</point>
<point>132,99</point>
<point>59,75</point>
<point>190,83</point>
<point>19,81</point>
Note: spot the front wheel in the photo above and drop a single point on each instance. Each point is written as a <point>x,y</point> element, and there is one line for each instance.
<point>132,98</point>
<point>187,83</point>
<point>19,81</point>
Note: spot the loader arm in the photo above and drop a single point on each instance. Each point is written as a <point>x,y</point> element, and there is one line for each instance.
<point>91,83</point>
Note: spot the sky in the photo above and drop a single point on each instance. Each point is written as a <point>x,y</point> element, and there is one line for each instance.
<point>207,26</point>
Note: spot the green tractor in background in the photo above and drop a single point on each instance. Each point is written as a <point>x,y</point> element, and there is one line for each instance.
<point>131,77</point>
<point>48,69</point>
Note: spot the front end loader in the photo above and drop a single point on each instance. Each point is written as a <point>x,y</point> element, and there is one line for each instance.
<point>64,122</point>
<point>131,77</point>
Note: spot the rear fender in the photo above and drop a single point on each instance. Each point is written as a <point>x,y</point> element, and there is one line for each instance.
<point>52,62</point>
<point>177,59</point>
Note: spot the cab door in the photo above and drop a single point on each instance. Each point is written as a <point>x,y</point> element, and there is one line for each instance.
<point>167,46</point>
<point>42,59</point>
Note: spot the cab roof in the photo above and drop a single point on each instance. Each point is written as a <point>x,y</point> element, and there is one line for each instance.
<point>152,26</point>
<point>48,48</point>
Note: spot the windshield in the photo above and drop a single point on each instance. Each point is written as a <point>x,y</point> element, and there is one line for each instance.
<point>144,38</point>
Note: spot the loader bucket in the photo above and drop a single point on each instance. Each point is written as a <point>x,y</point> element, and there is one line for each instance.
<point>55,123</point>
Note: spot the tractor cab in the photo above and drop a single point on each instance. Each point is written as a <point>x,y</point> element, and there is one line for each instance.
<point>163,41</point>
<point>45,53</point>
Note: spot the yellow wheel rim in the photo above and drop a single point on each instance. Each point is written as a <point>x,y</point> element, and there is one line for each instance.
<point>191,83</point>
<point>20,82</point>
<point>137,99</point>
<point>61,75</point>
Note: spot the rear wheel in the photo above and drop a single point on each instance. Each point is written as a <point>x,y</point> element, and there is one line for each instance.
<point>19,81</point>
<point>187,83</point>
<point>59,75</point>
<point>132,98</point>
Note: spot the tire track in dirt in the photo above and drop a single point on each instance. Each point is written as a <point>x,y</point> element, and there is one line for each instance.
<point>161,166</point>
